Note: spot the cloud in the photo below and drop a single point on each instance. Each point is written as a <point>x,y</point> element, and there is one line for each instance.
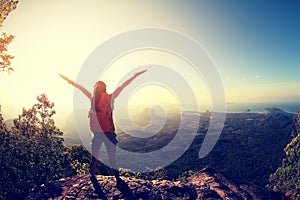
<point>249,78</point>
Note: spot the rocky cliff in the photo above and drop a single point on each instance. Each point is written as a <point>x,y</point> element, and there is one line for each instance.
<point>206,184</point>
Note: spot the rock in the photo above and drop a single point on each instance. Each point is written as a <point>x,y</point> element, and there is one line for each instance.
<point>206,184</point>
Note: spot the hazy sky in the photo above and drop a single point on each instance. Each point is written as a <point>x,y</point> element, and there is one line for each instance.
<point>254,44</point>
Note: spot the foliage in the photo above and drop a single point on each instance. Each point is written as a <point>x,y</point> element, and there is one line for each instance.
<point>185,175</point>
<point>157,174</point>
<point>5,61</point>
<point>80,158</point>
<point>32,151</point>
<point>287,177</point>
<point>80,168</point>
<point>149,174</point>
<point>6,6</point>
<point>3,137</point>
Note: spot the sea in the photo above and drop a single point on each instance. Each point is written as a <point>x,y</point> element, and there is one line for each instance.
<point>260,107</point>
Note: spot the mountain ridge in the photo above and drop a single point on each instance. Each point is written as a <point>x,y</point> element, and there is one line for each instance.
<point>205,184</point>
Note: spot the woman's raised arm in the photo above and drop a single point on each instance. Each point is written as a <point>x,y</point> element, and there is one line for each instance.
<point>119,89</point>
<point>81,88</point>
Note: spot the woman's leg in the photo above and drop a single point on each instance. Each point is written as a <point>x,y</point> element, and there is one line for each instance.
<point>111,151</point>
<point>96,146</point>
<point>93,166</point>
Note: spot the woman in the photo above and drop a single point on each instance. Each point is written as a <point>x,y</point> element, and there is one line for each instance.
<point>101,121</point>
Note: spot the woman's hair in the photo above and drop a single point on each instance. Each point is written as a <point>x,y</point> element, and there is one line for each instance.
<point>99,88</point>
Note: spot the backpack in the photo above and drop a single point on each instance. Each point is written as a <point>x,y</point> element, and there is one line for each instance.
<point>94,123</point>
<point>102,121</point>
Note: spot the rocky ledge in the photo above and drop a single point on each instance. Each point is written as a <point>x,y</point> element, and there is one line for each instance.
<point>206,184</point>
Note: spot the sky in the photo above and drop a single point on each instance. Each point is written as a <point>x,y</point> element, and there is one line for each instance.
<point>254,44</point>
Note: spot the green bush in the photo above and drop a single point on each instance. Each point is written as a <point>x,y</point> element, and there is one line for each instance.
<point>32,152</point>
<point>286,179</point>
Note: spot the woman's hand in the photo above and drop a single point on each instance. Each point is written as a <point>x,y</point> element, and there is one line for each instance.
<point>67,79</point>
<point>82,89</point>
<point>119,89</point>
<point>139,73</point>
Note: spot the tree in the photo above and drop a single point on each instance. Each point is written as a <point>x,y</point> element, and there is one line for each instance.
<point>6,6</point>
<point>3,138</point>
<point>32,151</point>
<point>286,179</point>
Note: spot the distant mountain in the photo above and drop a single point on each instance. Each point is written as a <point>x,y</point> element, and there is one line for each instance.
<point>147,115</point>
<point>250,147</point>
<point>73,130</point>
<point>274,110</point>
